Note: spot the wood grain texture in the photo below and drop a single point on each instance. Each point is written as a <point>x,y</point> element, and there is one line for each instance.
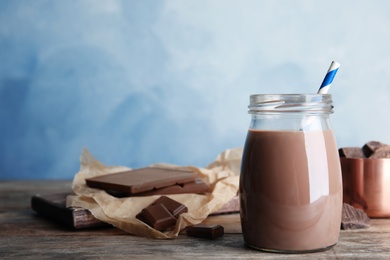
<point>24,234</point>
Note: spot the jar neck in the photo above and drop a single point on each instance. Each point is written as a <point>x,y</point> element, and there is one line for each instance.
<point>290,122</point>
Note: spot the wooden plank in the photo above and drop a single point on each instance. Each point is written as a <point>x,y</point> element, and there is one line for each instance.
<point>24,234</point>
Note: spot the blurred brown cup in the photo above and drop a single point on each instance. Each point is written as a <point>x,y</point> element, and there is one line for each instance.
<point>366,185</point>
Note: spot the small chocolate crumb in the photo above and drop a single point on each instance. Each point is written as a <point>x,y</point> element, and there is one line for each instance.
<point>353,218</point>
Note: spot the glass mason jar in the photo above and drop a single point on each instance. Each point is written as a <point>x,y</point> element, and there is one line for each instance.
<point>290,182</point>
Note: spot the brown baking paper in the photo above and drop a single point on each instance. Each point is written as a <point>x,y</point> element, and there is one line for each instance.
<point>222,175</point>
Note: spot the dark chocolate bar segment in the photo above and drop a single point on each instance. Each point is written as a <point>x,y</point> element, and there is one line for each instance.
<point>162,213</point>
<point>174,207</point>
<point>141,180</point>
<point>53,206</point>
<point>205,231</point>
<point>157,216</point>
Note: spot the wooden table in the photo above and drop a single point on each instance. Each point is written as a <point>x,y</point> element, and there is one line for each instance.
<point>24,234</point>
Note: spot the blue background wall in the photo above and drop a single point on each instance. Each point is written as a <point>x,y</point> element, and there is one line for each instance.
<point>140,82</point>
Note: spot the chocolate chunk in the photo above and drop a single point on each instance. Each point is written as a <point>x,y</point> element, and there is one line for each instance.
<point>370,147</point>
<point>162,213</point>
<point>53,207</point>
<point>141,217</point>
<point>381,152</point>
<point>351,152</point>
<point>141,180</point>
<point>157,216</point>
<point>205,231</point>
<point>174,207</point>
<point>354,218</point>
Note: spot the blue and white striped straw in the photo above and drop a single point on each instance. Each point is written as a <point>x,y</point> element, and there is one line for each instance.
<point>334,67</point>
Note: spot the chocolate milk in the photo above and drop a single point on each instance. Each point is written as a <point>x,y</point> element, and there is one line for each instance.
<point>290,190</point>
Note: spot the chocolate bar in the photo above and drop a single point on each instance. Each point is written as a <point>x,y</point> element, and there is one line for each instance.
<point>162,213</point>
<point>354,218</point>
<point>53,207</point>
<point>351,152</point>
<point>205,231</point>
<point>141,180</point>
<point>197,186</point>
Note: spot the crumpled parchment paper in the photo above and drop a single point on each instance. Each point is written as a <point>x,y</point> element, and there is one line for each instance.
<point>222,175</point>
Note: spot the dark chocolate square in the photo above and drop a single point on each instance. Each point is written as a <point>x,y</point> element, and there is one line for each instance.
<point>157,216</point>
<point>174,207</point>
<point>205,231</point>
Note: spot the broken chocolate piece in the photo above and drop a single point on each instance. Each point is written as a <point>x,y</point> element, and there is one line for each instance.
<point>53,206</point>
<point>162,213</point>
<point>205,231</point>
<point>381,152</point>
<point>370,147</point>
<point>141,180</point>
<point>351,152</point>
<point>174,207</point>
<point>157,216</point>
<point>354,218</point>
